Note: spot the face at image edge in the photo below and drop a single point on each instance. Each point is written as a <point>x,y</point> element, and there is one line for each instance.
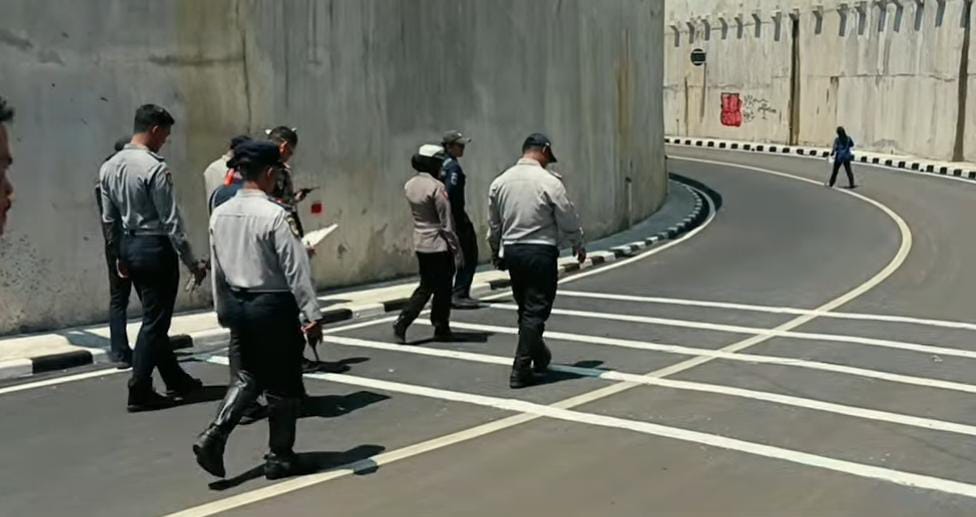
<point>6,187</point>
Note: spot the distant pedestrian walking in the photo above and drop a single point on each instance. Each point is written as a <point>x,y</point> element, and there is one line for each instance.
<point>438,251</point>
<point>843,153</point>
<point>530,218</point>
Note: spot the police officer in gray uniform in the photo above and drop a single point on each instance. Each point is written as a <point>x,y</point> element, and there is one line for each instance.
<point>435,243</point>
<point>530,218</point>
<point>455,180</point>
<point>137,192</point>
<point>263,292</point>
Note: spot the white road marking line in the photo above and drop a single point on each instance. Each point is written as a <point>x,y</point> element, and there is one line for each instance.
<point>612,375</point>
<point>886,169</point>
<point>769,309</point>
<point>281,488</point>
<point>709,354</point>
<point>757,331</point>
<point>491,427</point>
<point>908,479</point>
<point>60,380</point>
<point>896,262</point>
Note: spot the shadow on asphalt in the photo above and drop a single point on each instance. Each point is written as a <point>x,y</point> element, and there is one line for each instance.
<point>459,337</point>
<point>316,462</point>
<point>552,377</point>
<point>331,406</point>
<point>206,394</point>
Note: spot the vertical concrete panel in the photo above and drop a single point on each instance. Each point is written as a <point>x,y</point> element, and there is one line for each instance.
<point>892,81</point>
<point>364,82</point>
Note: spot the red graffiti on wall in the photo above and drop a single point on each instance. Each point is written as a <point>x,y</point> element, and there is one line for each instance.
<point>731,110</point>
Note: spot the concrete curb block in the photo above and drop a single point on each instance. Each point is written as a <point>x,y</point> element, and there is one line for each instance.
<point>567,265</point>
<point>905,164</point>
<point>50,362</point>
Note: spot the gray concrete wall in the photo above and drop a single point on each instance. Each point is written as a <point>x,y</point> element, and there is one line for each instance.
<point>364,82</point>
<point>889,71</point>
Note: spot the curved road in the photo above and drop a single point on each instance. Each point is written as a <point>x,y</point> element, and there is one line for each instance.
<point>702,379</point>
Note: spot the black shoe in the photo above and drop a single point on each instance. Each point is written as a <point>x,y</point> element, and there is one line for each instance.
<point>400,331</point>
<point>209,451</point>
<point>465,303</point>
<point>278,466</point>
<point>522,379</point>
<point>309,366</point>
<point>123,365</point>
<point>186,389</point>
<point>147,400</point>
<point>540,364</point>
<point>254,413</point>
<point>443,333</point>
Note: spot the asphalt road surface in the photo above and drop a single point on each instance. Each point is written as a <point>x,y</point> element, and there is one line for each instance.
<point>806,353</point>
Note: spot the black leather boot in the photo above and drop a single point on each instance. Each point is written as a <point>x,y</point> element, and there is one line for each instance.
<point>143,398</point>
<point>400,329</point>
<point>282,461</point>
<point>540,363</point>
<point>443,333</point>
<point>209,448</point>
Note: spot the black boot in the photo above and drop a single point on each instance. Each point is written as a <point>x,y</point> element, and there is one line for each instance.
<point>522,375</point>
<point>540,363</point>
<point>400,329</point>
<point>145,398</point>
<point>282,461</point>
<point>443,333</point>
<point>209,448</point>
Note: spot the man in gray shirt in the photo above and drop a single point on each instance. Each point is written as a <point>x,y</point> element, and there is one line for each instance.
<point>263,292</point>
<point>215,175</point>
<point>139,210</point>
<point>530,218</point>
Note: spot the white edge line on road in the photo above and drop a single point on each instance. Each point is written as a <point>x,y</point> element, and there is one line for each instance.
<point>709,354</point>
<point>756,331</point>
<point>612,375</point>
<point>222,505</point>
<point>723,442</point>
<point>883,168</point>
<point>485,429</point>
<point>768,309</point>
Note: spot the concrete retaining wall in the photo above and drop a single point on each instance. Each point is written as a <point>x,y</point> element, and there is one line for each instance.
<point>364,82</point>
<point>887,70</point>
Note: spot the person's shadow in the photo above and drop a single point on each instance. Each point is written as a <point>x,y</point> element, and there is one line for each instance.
<point>458,337</point>
<point>331,406</point>
<point>358,459</point>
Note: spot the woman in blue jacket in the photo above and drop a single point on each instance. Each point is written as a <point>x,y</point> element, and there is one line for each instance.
<point>843,153</point>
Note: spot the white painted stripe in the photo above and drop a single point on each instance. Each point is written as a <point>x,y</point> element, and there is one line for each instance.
<point>757,449</point>
<point>819,158</point>
<point>440,442</point>
<point>709,354</point>
<point>769,333</point>
<point>60,380</point>
<point>491,427</point>
<point>770,309</point>
<point>611,375</point>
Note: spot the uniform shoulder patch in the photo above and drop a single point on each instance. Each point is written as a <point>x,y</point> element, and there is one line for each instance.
<point>293,226</point>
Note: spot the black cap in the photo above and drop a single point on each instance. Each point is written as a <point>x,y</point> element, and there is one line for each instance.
<point>540,141</point>
<point>455,137</point>
<point>257,152</point>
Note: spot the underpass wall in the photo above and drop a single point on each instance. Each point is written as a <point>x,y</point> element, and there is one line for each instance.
<point>364,82</point>
<point>889,71</point>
